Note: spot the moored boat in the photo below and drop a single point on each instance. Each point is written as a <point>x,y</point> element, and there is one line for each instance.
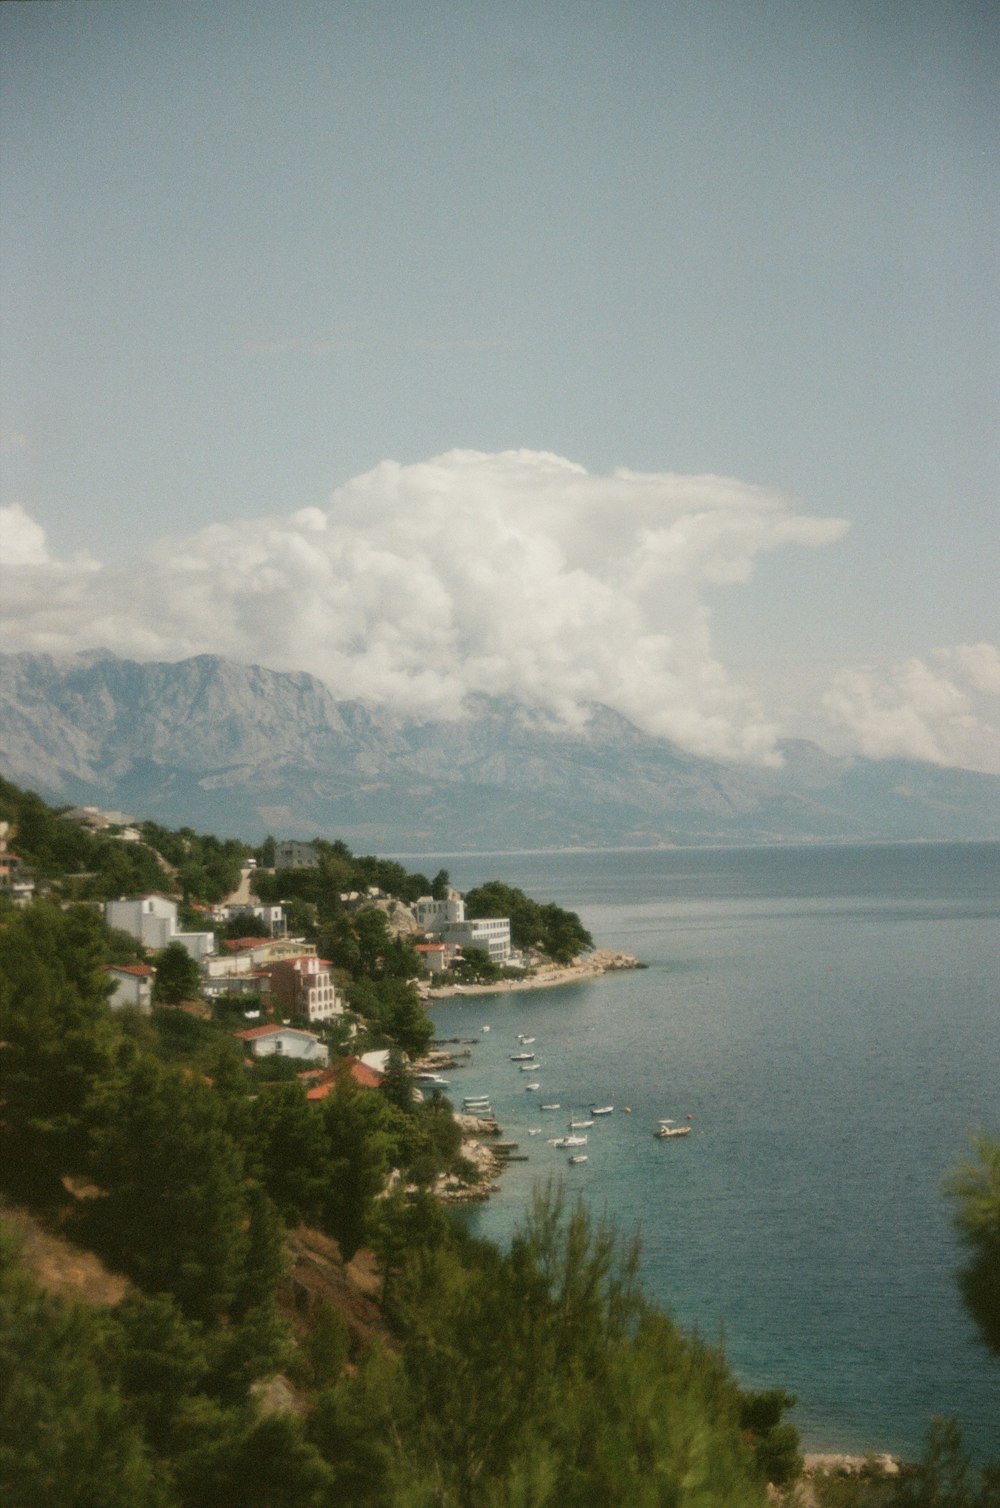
<point>601,1109</point>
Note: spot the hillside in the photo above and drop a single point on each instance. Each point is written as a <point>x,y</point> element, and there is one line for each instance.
<point>214,744</point>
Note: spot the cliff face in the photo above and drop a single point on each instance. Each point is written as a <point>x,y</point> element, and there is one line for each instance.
<point>223,746</point>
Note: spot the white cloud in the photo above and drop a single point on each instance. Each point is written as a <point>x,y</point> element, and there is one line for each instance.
<point>512,574</point>
<point>22,541</point>
<point>948,713</point>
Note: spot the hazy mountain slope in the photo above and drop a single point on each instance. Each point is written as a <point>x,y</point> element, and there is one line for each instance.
<point>246,750</point>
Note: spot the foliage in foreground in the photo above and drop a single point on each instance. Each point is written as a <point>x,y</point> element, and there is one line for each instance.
<point>524,1378</point>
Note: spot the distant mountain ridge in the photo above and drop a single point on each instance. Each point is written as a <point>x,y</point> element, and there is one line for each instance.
<point>239,749</point>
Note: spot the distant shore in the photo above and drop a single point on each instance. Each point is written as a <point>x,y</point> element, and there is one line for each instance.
<point>546,976</point>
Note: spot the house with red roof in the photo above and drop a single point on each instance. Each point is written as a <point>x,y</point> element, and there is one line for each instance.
<point>286,1042</point>
<point>133,984</point>
<point>360,1073</point>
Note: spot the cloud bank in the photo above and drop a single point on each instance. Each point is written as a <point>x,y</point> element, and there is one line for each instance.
<point>947,712</point>
<point>419,585</point>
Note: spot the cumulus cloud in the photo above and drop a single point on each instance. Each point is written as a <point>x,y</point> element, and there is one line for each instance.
<point>947,712</point>
<point>22,541</point>
<point>419,585</point>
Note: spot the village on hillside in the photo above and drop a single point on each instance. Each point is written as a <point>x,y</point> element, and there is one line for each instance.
<point>249,963</point>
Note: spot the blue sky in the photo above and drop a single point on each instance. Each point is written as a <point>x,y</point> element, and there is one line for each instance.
<point>252,252</point>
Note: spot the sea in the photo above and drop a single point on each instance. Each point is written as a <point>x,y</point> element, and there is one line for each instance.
<point>827,1021</point>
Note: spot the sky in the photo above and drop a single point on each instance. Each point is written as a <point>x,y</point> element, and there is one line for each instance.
<point>642,353</point>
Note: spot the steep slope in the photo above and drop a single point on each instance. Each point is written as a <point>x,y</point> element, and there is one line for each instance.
<point>219,745</point>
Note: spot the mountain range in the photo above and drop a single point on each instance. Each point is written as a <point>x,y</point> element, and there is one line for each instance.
<point>244,751</point>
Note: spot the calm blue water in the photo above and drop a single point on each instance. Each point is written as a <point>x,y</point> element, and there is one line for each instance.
<point>830,1017</point>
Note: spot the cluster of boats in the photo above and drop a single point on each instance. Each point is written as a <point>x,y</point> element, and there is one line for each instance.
<point>527,1061</point>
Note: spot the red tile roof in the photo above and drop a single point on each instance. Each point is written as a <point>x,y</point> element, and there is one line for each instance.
<point>365,1077</point>
<point>140,970</point>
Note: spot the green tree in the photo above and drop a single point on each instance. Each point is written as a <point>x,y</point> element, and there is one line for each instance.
<point>476,967</point>
<point>58,1044</point>
<point>975,1188</point>
<point>291,1150</point>
<point>775,1444</point>
<point>177,975</point>
<point>559,934</point>
<point>66,1434</point>
<point>173,1213</point>
<point>363,1136</point>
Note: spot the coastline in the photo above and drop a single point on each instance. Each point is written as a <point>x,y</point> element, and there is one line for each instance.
<point>491,1162</point>
<point>545,976</point>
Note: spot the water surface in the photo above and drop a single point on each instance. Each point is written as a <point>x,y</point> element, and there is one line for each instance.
<point>830,1018</point>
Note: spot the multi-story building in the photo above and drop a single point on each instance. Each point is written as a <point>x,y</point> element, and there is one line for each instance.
<point>432,915</point>
<point>490,933</point>
<point>304,987</point>
<point>272,918</point>
<point>292,854</point>
<point>152,920</point>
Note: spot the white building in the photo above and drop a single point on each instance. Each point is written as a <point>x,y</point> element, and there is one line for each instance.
<point>133,984</point>
<point>490,933</point>
<point>270,917</point>
<point>432,915</point>
<point>287,1041</point>
<point>152,920</point>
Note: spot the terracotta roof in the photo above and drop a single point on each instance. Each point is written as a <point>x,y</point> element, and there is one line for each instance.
<point>241,944</point>
<point>365,1077</point>
<point>140,970</point>
<point>264,1031</point>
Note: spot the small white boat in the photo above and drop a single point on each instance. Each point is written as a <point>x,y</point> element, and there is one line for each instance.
<point>535,1131</point>
<point>524,1041</point>
<point>484,1028</point>
<point>580,1125</point>
<point>529,1067</point>
<point>431,1078</point>
<point>528,1087</point>
<point>568,1141</point>
<point>667,1128</point>
<point>577,1158</point>
<point>551,1107</point>
<point>521,1057</point>
<point>601,1109</point>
